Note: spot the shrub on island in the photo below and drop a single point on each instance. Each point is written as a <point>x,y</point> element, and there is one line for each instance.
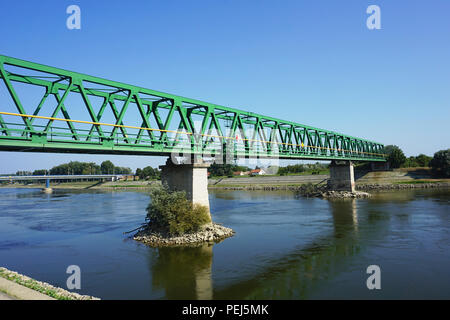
<point>171,212</point>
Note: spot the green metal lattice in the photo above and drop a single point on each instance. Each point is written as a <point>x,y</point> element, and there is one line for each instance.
<point>39,102</point>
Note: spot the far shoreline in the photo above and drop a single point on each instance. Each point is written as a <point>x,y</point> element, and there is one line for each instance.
<point>369,182</point>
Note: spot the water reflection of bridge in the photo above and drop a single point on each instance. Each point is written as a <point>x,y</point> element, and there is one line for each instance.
<point>292,276</point>
<point>297,273</point>
<point>184,272</point>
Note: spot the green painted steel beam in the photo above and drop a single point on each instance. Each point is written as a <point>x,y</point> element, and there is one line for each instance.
<point>138,124</point>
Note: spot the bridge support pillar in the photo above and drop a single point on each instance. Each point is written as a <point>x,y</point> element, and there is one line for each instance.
<point>47,188</point>
<point>342,177</point>
<point>191,178</point>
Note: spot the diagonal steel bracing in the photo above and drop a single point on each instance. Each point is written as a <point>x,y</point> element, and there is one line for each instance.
<point>85,117</point>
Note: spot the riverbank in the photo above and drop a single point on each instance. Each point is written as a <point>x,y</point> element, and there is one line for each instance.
<point>403,186</point>
<point>259,187</point>
<point>398,179</point>
<point>16,286</point>
<point>364,187</point>
<point>87,185</point>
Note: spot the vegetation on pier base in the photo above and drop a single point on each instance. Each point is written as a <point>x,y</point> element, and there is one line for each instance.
<point>170,212</point>
<point>322,191</point>
<point>310,190</point>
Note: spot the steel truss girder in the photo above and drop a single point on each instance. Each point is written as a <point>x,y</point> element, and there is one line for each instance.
<point>248,134</point>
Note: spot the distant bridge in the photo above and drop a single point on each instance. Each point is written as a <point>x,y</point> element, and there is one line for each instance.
<point>111,177</point>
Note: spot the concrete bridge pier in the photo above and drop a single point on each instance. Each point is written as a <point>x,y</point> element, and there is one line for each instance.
<point>47,188</point>
<point>342,177</point>
<point>191,178</point>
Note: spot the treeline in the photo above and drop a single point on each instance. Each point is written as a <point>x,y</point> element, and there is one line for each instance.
<point>148,173</point>
<point>220,170</point>
<point>397,158</point>
<point>315,168</point>
<point>89,168</point>
<point>77,168</point>
<point>24,173</point>
<point>227,170</point>
<point>439,163</point>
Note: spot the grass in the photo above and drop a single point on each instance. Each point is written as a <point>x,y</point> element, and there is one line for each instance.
<point>304,173</point>
<point>32,284</point>
<point>418,181</point>
<point>244,176</point>
<point>126,186</point>
<point>413,169</point>
<point>308,173</point>
<point>219,186</point>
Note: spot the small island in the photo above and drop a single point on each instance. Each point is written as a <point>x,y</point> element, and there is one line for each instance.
<point>173,220</point>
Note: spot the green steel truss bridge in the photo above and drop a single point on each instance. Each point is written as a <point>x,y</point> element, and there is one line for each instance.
<point>46,109</point>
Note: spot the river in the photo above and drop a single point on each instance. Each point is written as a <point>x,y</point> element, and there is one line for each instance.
<point>285,247</point>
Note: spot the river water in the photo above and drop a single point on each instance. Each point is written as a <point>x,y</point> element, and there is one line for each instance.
<point>285,247</point>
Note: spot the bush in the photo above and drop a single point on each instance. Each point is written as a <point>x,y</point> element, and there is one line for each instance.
<point>395,156</point>
<point>171,212</point>
<point>315,168</point>
<point>423,160</point>
<point>308,190</point>
<point>440,163</point>
<point>420,161</point>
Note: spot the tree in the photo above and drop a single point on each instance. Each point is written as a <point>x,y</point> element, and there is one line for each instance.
<point>395,156</point>
<point>122,170</point>
<point>41,172</point>
<point>61,169</point>
<point>315,168</point>
<point>148,173</point>
<point>420,161</point>
<point>76,168</point>
<point>219,170</point>
<point>107,167</point>
<point>440,164</point>
<point>24,173</point>
<point>410,162</point>
<point>423,160</point>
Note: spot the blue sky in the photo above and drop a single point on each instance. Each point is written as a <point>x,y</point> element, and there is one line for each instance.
<point>313,62</point>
